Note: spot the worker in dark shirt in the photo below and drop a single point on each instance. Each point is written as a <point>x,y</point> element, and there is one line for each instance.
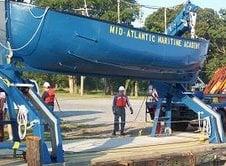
<point>152,99</point>
<point>120,102</point>
<point>2,104</point>
<point>48,96</point>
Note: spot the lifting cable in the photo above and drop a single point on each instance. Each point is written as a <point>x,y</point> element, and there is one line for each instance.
<point>42,17</point>
<point>146,6</point>
<point>145,98</point>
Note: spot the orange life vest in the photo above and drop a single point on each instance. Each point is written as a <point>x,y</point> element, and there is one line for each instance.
<point>50,96</point>
<point>121,101</point>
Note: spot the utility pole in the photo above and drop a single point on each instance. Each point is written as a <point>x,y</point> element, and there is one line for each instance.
<point>82,85</point>
<point>84,12</point>
<point>72,84</point>
<point>165,20</point>
<point>86,9</point>
<point>118,8</point>
<point>136,89</point>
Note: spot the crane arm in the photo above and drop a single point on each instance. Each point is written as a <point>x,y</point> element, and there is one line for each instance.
<point>218,82</point>
<point>184,21</point>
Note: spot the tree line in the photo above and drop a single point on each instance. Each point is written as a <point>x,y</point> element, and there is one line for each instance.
<point>211,25</point>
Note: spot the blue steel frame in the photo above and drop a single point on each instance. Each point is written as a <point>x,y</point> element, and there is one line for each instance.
<point>168,91</point>
<point>177,92</point>
<point>9,75</point>
<point>180,24</point>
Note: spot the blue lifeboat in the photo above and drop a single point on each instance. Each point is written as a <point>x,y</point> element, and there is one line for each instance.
<point>73,44</point>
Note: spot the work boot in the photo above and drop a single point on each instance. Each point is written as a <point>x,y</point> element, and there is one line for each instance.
<point>114,133</point>
<point>122,133</point>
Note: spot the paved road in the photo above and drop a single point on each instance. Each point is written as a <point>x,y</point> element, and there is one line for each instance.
<point>96,110</point>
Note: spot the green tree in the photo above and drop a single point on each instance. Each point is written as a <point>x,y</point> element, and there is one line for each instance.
<point>54,79</point>
<point>212,26</point>
<point>103,9</point>
<point>155,21</point>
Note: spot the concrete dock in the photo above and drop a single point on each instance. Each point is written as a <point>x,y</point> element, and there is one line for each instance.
<point>181,148</point>
<point>88,140</point>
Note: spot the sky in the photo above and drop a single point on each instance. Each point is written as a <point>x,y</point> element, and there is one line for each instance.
<point>215,4</point>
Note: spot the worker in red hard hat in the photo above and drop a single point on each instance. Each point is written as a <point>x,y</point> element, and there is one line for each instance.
<point>48,95</point>
<point>120,102</point>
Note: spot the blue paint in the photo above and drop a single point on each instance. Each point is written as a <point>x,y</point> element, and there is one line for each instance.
<point>74,44</point>
<point>178,94</point>
<point>180,25</point>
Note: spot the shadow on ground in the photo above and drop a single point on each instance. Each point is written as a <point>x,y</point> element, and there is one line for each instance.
<point>65,113</point>
<point>85,157</point>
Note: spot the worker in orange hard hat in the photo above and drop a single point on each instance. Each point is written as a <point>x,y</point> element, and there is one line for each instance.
<point>49,95</point>
<point>120,102</point>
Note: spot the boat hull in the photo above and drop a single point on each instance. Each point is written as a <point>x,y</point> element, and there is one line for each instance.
<point>74,44</point>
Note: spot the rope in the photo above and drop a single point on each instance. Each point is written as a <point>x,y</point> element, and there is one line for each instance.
<point>37,17</point>
<point>58,105</point>
<point>140,5</point>
<point>134,120</point>
<point>138,122</point>
<point>147,6</point>
<point>22,121</point>
<point>207,126</point>
<point>33,36</point>
<point>140,108</point>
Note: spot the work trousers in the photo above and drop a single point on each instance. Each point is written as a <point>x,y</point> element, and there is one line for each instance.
<point>2,101</point>
<point>51,107</point>
<point>119,113</point>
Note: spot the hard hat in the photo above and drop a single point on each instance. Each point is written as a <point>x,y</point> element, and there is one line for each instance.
<point>46,85</point>
<point>150,87</point>
<point>121,88</point>
<point>224,91</point>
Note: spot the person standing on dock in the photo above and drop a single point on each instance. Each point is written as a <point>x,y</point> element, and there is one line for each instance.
<point>48,96</point>
<point>120,102</point>
<point>2,104</point>
<point>4,115</point>
<point>151,103</point>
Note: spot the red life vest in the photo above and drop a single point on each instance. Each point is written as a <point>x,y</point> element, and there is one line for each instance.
<point>121,101</point>
<point>50,96</point>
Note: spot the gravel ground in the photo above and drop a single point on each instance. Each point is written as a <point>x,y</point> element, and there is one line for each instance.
<point>96,110</point>
<point>93,118</point>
